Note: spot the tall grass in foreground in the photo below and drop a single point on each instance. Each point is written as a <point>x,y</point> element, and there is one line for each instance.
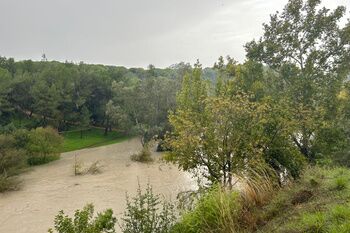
<point>217,211</point>
<point>257,184</point>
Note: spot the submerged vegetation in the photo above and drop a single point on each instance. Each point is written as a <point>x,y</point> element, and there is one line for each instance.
<point>144,156</point>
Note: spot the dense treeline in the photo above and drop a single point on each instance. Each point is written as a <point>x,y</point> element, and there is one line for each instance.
<point>62,94</point>
<point>66,95</point>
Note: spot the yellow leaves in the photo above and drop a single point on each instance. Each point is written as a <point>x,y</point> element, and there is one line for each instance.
<point>343,95</point>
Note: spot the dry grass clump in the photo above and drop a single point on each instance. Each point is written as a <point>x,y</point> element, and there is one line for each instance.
<point>257,185</point>
<point>93,169</point>
<point>77,166</point>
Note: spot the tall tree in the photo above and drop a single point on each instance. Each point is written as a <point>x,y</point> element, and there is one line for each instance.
<point>309,51</point>
<point>217,135</point>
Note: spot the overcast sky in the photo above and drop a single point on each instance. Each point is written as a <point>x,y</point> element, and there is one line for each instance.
<point>133,33</point>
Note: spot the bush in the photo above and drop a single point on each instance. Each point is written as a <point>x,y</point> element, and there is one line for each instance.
<point>162,146</point>
<point>44,146</point>
<point>217,211</point>
<point>147,213</point>
<point>8,183</point>
<point>84,222</point>
<point>144,156</point>
<point>21,137</point>
<point>11,159</point>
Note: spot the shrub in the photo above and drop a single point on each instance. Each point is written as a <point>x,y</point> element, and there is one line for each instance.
<point>21,137</point>
<point>8,183</point>
<point>162,146</point>
<point>217,211</point>
<point>144,156</point>
<point>11,159</point>
<point>43,146</point>
<point>147,213</point>
<point>84,222</point>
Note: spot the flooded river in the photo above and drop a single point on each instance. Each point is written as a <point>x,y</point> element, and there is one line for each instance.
<point>49,188</point>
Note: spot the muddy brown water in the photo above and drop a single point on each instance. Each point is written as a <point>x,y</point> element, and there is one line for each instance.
<point>49,188</point>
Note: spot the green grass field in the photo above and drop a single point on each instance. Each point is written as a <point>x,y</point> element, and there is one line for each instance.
<point>91,138</point>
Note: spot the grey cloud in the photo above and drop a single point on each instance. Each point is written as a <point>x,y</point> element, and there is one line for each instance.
<point>132,32</point>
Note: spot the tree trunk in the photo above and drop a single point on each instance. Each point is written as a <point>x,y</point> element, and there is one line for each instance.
<point>106,127</point>
<point>229,173</point>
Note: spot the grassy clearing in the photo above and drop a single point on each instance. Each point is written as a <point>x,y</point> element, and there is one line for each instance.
<point>91,138</point>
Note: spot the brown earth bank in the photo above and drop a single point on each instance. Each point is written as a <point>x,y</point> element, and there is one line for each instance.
<point>49,188</point>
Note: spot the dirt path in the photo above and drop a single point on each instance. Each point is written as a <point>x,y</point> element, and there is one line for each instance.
<point>52,187</point>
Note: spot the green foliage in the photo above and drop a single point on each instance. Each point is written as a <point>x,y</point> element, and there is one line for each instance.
<point>60,95</point>
<point>44,145</point>
<point>219,210</point>
<point>85,222</point>
<point>7,129</point>
<point>147,213</point>
<point>308,53</point>
<point>141,106</point>
<point>220,134</point>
